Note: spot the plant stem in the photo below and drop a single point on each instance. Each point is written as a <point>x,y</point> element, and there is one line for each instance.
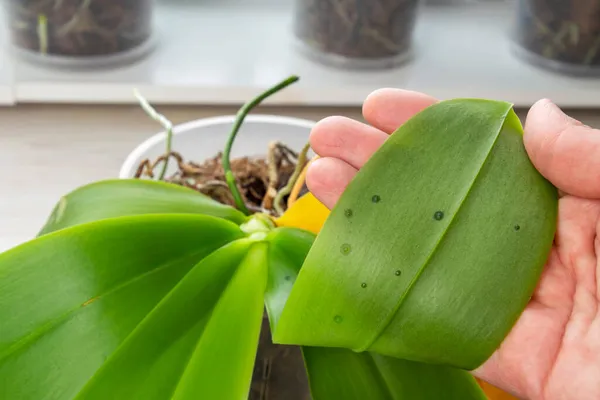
<point>241,114</point>
<point>267,202</point>
<point>166,124</point>
<point>290,183</point>
<point>299,184</point>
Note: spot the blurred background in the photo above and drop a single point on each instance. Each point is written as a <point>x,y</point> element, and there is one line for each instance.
<point>68,69</point>
<point>222,51</point>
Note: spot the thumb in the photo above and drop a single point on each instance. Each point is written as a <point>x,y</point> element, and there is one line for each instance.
<point>564,151</point>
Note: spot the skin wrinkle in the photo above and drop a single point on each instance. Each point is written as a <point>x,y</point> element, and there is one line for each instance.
<point>544,387</point>
<point>571,255</point>
<point>582,255</point>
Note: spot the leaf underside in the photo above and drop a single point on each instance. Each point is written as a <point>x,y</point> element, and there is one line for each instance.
<point>434,248</point>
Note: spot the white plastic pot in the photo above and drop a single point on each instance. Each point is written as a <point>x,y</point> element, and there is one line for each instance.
<point>202,139</point>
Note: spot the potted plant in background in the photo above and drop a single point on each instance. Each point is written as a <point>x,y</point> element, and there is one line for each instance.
<point>562,36</point>
<point>141,288</point>
<point>356,34</point>
<point>81,32</point>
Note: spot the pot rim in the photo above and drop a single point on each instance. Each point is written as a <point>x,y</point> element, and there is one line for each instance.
<point>130,164</point>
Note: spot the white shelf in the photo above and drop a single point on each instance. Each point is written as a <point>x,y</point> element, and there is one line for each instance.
<point>224,53</point>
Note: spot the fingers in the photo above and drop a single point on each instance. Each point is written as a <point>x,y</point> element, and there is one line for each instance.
<point>346,145</point>
<point>327,178</point>
<point>353,141</point>
<point>387,109</point>
<point>563,150</point>
<point>346,139</point>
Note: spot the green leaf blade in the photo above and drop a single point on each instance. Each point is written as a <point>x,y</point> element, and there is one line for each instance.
<point>341,373</point>
<point>336,373</point>
<point>69,298</point>
<point>192,343</point>
<point>454,177</point>
<point>122,197</point>
<point>466,332</point>
<point>222,363</point>
<point>288,248</point>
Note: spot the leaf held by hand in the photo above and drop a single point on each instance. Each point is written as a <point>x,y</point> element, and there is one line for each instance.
<point>435,247</point>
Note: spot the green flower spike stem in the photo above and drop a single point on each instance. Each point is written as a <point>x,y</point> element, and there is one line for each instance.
<point>241,115</point>
<point>431,266</point>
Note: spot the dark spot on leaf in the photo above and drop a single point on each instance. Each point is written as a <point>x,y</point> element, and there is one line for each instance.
<point>287,277</point>
<point>398,272</point>
<point>363,285</point>
<point>376,198</point>
<point>338,319</point>
<point>517,227</point>
<point>348,212</point>
<point>438,215</point>
<point>345,249</point>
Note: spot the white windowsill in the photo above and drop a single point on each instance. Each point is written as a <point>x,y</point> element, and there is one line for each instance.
<point>223,53</point>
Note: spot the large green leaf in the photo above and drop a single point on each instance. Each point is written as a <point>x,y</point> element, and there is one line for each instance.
<point>222,363</point>
<point>191,344</point>
<point>288,248</point>
<point>68,299</point>
<point>336,373</point>
<point>121,197</point>
<point>435,247</point>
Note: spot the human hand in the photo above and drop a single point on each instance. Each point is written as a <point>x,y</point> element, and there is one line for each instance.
<point>553,351</point>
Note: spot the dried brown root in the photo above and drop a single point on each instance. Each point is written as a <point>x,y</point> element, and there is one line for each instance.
<point>259,179</point>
